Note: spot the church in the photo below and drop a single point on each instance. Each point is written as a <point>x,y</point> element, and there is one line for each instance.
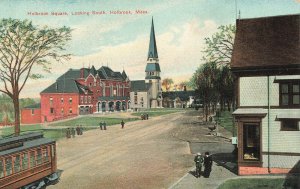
<point>148,93</point>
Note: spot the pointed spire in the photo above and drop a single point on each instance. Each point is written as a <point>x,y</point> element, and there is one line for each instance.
<point>152,53</point>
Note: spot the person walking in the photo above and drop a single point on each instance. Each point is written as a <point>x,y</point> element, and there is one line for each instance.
<point>122,124</point>
<point>101,124</point>
<point>207,164</point>
<point>198,160</point>
<point>68,133</point>
<point>104,125</point>
<point>78,130</point>
<point>73,132</point>
<point>147,116</point>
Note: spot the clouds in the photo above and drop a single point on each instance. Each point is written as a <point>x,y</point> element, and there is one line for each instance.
<point>179,50</point>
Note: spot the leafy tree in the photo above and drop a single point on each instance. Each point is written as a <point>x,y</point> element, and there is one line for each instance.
<point>24,47</point>
<point>220,45</point>
<point>167,83</point>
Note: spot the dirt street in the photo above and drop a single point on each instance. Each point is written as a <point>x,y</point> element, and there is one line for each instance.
<point>144,154</point>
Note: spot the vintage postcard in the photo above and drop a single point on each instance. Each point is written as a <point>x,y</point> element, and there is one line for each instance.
<point>129,94</point>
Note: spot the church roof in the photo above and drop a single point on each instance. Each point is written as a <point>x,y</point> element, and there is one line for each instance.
<point>152,53</point>
<point>139,85</point>
<point>152,67</point>
<point>267,43</point>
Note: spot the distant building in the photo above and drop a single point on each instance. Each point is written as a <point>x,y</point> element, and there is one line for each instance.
<point>178,99</point>
<point>147,93</point>
<point>266,62</point>
<point>81,91</point>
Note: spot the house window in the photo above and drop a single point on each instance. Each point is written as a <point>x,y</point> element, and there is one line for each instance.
<point>251,141</point>
<point>70,100</point>
<point>85,99</point>
<point>111,90</point>
<point>51,110</point>
<point>289,94</point>
<point>51,101</point>
<point>90,99</point>
<point>81,99</point>
<point>289,125</point>
<point>135,100</point>
<point>70,111</point>
<point>91,84</point>
<point>32,111</point>
<point>62,100</point>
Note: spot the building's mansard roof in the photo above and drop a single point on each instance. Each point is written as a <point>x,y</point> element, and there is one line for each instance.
<point>264,43</point>
<point>182,95</point>
<point>139,86</point>
<point>152,67</point>
<point>152,52</point>
<point>66,86</point>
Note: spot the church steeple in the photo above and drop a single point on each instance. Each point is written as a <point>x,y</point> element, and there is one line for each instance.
<point>152,53</point>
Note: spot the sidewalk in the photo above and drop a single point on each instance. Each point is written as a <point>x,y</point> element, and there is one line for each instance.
<point>218,175</point>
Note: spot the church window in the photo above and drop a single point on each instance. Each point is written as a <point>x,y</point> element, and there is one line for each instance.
<point>62,110</point>
<point>70,100</point>
<point>90,84</point>
<point>89,99</point>
<point>81,99</point>
<point>135,99</point>
<point>62,100</point>
<point>70,111</point>
<point>85,99</point>
<point>51,110</point>
<point>32,111</point>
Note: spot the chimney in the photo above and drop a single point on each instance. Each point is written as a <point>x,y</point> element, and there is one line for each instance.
<point>82,73</point>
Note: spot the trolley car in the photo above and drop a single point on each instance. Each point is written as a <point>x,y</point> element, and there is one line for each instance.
<point>27,161</point>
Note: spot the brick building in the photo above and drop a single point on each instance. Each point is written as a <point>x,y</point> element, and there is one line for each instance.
<point>83,91</point>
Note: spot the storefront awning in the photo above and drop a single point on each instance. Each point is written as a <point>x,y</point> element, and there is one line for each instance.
<point>250,112</point>
<point>289,114</point>
<point>286,78</point>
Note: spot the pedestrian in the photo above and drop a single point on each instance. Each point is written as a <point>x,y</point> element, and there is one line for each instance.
<point>142,116</point>
<point>81,130</point>
<point>122,124</point>
<point>73,132</point>
<point>100,124</point>
<point>207,164</point>
<point>68,133</point>
<point>104,125</point>
<point>198,160</point>
<point>147,116</point>
<point>78,130</point>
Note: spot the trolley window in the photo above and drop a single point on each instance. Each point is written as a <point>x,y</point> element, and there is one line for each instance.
<point>32,159</point>
<point>25,161</point>
<point>17,167</point>
<point>1,169</point>
<point>8,166</point>
<point>45,154</point>
<point>39,157</point>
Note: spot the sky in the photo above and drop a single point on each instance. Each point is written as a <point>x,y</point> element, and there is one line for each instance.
<point>121,41</point>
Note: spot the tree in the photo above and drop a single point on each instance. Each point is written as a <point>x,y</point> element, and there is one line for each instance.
<point>219,47</point>
<point>167,82</point>
<point>23,47</point>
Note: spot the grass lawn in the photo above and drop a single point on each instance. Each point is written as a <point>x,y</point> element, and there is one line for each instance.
<point>92,121</point>
<point>157,112</point>
<point>253,183</point>
<point>225,120</point>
